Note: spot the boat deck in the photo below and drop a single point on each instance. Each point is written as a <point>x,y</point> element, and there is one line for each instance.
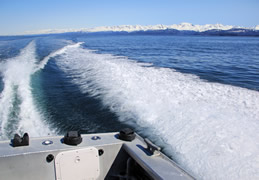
<point>98,156</point>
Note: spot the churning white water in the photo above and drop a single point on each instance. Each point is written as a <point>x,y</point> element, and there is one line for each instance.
<point>18,112</point>
<point>210,129</point>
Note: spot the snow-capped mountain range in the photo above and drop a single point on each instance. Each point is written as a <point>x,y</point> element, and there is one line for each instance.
<point>180,27</point>
<point>135,28</point>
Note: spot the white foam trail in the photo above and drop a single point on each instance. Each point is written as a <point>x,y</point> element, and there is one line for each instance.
<point>211,129</point>
<point>55,53</point>
<point>16,74</point>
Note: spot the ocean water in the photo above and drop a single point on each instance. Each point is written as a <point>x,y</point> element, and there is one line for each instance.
<point>197,97</point>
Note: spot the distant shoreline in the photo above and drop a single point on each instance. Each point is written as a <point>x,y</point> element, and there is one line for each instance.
<point>169,32</point>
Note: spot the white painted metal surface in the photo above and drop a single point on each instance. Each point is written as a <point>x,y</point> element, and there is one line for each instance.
<point>79,164</point>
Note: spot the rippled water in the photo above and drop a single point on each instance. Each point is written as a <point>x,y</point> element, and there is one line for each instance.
<point>197,97</point>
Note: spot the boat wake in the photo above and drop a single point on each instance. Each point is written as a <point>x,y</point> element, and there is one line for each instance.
<point>210,129</point>
<point>18,112</point>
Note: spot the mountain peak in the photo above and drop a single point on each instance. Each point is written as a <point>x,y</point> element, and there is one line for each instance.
<point>186,24</point>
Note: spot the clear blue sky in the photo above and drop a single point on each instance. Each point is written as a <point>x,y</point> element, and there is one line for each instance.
<point>17,16</point>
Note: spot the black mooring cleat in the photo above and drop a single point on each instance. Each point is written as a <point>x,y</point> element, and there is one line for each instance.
<point>127,134</point>
<point>72,138</point>
<point>20,141</point>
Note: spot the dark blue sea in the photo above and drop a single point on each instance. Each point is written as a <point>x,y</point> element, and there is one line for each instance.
<point>195,96</point>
